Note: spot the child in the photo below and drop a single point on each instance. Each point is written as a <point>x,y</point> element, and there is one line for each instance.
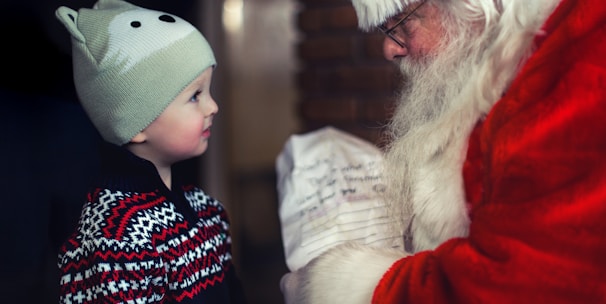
<point>145,235</point>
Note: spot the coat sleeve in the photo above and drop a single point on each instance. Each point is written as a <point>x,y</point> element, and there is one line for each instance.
<point>537,235</point>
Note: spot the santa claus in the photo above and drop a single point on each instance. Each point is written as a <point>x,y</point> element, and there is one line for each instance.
<point>496,163</point>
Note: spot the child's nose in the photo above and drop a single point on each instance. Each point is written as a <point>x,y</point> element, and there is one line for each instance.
<point>211,107</point>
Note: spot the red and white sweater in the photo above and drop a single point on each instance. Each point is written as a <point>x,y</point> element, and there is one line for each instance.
<point>138,242</point>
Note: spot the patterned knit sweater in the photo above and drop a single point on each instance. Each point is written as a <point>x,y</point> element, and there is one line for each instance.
<point>139,242</point>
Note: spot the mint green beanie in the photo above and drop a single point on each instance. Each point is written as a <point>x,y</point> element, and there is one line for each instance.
<point>130,63</point>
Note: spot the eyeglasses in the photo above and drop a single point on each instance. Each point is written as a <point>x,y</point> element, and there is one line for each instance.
<point>392,33</point>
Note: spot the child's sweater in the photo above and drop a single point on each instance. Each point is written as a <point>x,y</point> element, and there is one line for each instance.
<point>139,242</point>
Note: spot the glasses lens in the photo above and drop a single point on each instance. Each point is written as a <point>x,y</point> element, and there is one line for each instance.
<point>390,27</point>
<point>392,32</point>
<point>383,27</point>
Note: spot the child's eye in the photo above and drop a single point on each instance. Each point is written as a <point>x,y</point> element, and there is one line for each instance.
<point>194,98</point>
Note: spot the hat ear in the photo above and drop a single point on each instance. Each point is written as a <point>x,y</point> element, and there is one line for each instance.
<point>69,17</point>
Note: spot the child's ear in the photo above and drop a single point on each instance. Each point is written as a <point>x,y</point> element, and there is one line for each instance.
<point>139,138</point>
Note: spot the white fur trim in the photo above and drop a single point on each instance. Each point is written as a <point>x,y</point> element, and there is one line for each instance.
<point>374,12</point>
<point>348,273</point>
<point>438,199</point>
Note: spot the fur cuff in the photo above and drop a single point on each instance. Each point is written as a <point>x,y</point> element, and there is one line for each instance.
<point>348,273</point>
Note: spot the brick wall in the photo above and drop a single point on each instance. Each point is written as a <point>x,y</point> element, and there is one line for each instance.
<point>343,79</point>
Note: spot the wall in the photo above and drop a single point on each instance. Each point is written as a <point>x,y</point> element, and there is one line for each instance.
<point>259,112</point>
<point>344,80</point>
<point>294,66</point>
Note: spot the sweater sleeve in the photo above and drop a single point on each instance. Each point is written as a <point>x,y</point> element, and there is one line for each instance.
<point>537,236</point>
<point>111,258</point>
<point>95,271</point>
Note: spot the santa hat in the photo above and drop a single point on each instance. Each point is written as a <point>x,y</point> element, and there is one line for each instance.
<point>374,12</point>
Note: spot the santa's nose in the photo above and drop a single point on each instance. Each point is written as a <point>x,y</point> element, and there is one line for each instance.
<point>392,50</point>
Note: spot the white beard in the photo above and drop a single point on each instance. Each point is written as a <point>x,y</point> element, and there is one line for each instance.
<point>446,95</point>
<point>425,158</point>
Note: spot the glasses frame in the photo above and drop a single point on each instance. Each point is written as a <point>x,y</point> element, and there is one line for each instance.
<point>389,32</point>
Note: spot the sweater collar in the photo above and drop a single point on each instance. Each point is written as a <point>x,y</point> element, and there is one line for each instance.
<point>122,169</point>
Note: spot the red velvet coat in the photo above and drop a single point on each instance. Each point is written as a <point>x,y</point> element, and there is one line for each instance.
<point>536,178</point>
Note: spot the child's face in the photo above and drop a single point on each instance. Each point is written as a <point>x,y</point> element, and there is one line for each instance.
<point>183,129</point>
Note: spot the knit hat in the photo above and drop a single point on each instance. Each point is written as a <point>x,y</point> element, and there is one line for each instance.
<point>371,13</point>
<point>130,63</point>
